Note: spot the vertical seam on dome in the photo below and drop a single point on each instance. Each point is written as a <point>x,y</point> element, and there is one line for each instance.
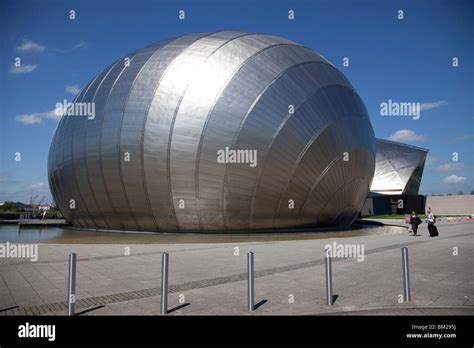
<point>211,110</point>
<point>100,137</point>
<point>342,209</point>
<point>324,172</point>
<point>173,213</point>
<point>300,157</point>
<point>73,160</point>
<point>316,92</point>
<point>321,176</point>
<point>154,48</point>
<point>142,131</point>
<point>57,188</point>
<point>99,209</point>
<point>143,126</point>
<point>51,170</point>
<point>277,133</point>
<point>237,133</point>
<point>65,127</point>
<point>64,124</point>
<point>170,136</point>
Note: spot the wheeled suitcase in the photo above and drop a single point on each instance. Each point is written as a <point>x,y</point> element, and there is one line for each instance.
<point>433,230</point>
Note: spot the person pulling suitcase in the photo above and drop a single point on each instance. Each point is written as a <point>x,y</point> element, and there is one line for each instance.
<point>431,220</point>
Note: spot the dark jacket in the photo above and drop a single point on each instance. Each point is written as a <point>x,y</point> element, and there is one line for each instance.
<point>414,219</point>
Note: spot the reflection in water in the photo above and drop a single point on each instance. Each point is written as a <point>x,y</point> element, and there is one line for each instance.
<point>13,233</point>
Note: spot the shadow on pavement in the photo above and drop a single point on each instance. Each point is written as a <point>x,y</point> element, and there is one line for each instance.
<point>178,307</point>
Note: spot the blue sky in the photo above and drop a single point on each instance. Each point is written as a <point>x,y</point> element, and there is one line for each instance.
<point>407,60</point>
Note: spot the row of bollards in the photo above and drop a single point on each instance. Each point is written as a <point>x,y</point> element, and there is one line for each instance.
<point>250,280</point>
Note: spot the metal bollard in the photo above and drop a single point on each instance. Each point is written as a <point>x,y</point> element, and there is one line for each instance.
<point>71,288</point>
<point>406,275</point>
<point>329,294</point>
<point>164,283</point>
<point>250,288</point>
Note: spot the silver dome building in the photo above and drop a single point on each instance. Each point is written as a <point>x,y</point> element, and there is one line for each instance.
<point>224,131</point>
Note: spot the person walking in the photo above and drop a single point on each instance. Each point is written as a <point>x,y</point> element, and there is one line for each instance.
<point>431,220</point>
<point>414,222</point>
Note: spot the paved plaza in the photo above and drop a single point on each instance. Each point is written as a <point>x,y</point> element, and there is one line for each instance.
<point>211,278</point>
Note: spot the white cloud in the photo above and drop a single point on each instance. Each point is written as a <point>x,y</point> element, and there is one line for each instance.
<point>406,135</point>
<point>81,44</point>
<point>53,114</point>
<point>37,117</point>
<point>28,119</point>
<point>430,160</point>
<point>38,186</point>
<point>431,105</point>
<point>454,179</point>
<point>28,46</point>
<point>74,89</point>
<point>449,167</point>
<point>27,68</point>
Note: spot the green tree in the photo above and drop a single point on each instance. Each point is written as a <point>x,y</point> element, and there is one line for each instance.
<point>8,206</point>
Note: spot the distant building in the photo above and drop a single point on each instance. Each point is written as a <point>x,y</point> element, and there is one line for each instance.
<point>398,168</point>
<point>398,172</point>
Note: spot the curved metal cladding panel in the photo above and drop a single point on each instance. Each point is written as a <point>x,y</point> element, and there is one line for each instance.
<point>149,159</point>
<point>398,168</point>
